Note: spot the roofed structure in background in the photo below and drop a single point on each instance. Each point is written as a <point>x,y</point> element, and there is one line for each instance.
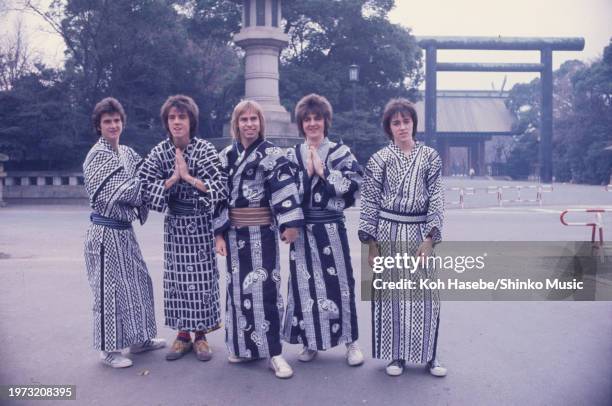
<point>546,46</point>
<point>468,119</point>
<point>469,111</point>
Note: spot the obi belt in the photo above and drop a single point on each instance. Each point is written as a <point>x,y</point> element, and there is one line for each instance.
<point>405,218</point>
<point>312,216</point>
<point>178,207</point>
<point>115,224</point>
<point>250,216</point>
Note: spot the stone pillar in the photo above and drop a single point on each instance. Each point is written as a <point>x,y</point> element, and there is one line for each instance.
<point>262,39</point>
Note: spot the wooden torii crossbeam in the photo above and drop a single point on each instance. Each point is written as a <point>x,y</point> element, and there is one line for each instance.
<point>546,46</point>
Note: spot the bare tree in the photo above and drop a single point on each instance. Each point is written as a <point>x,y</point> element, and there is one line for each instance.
<point>16,58</point>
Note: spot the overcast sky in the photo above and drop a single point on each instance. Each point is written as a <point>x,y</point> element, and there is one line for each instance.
<point>590,19</point>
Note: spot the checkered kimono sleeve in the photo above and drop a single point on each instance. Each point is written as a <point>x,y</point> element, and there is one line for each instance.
<point>108,183</point>
<point>371,192</point>
<point>435,190</point>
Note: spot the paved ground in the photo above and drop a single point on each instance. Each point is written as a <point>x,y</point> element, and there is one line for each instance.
<point>538,353</point>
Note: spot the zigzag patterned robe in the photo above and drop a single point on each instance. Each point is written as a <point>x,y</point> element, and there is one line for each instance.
<point>191,278</point>
<point>260,176</point>
<point>321,309</point>
<point>118,277</point>
<point>404,322</point>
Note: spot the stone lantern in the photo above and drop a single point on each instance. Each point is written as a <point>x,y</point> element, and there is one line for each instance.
<point>262,39</point>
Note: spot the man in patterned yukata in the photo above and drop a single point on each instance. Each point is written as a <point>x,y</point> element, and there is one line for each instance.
<point>263,199</point>
<point>402,211</point>
<point>182,178</point>
<point>321,311</point>
<point>120,283</point>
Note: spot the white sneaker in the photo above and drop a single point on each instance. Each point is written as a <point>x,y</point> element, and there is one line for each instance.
<point>280,367</point>
<point>395,367</point>
<point>307,355</point>
<point>436,369</point>
<point>234,359</point>
<point>149,345</point>
<point>354,356</point>
<point>115,359</point>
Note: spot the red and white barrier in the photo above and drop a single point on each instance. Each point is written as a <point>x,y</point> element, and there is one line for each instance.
<point>597,226</point>
<point>519,199</point>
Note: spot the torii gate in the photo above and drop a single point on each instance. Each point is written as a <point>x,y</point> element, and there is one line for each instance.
<point>546,46</point>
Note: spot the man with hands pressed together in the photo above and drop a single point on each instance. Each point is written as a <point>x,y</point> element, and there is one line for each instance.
<point>182,178</point>
<point>321,312</point>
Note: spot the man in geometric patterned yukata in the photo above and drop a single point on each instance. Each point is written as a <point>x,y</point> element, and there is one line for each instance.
<point>118,277</point>
<point>182,178</point>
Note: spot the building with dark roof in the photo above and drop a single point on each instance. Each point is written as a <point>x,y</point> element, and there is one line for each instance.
<point>472,127</point>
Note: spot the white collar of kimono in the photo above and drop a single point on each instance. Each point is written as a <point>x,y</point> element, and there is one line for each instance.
<point>324,142</point>
<point>322,149</point>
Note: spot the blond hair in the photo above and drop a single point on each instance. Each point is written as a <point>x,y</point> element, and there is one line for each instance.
<point>240,109</point>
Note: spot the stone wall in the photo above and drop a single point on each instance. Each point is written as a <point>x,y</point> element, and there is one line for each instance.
<point>43,185</point>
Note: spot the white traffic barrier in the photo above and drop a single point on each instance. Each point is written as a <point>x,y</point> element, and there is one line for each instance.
<point>519,199</point>
<point>469,191</point>
<point>499,192</point>
<point>461,193</point>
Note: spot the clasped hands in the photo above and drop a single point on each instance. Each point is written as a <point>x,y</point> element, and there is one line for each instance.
<point>314,165</point>
<point>181,171</point>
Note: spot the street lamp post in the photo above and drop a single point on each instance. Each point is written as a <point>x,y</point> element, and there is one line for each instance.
<point>354,78</point>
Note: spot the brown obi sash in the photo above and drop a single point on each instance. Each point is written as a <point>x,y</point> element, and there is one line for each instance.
<point>250,216</point>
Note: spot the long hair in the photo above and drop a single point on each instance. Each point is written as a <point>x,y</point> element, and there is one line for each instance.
<point>240,109</point>
<point>313,104</point>
<point>183,104</point>
<point>405,108</point>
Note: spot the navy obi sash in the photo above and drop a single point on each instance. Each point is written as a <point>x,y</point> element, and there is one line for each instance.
<point>406,218</point>
<point>322,216</point>
<point>109,222</point>
<point>182,208</point>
